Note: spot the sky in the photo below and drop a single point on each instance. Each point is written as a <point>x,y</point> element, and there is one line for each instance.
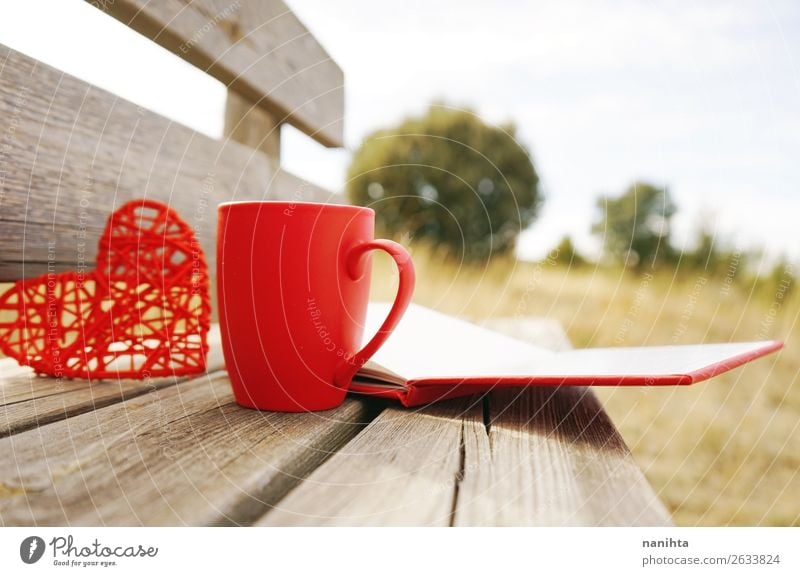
<point>701,97</point>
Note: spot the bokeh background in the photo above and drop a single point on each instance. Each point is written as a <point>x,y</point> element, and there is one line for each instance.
<point>627,168</point>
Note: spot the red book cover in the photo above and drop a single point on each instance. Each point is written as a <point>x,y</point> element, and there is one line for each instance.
<point>431,356</point>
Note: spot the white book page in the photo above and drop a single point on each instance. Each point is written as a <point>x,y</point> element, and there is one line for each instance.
<point>644,360</point>
<point>427,344</point>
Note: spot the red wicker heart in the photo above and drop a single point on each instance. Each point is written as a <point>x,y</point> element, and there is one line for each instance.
<point>144,311</point>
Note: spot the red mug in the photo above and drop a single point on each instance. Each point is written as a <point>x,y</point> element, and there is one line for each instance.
<point>292,288</point>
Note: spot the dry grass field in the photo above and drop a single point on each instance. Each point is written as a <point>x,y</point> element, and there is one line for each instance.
<point>722,452</point>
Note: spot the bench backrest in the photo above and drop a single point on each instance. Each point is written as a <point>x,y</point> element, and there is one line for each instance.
<point>71,153</point>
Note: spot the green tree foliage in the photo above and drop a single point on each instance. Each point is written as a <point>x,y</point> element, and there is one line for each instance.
<point>635,226</point>
<point>711,255</point>
<point>706,254</point>
<point>449,179</point>
<point>565,253</point>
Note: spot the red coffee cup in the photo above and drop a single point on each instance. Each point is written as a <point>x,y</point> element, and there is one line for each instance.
<point>292,288</point>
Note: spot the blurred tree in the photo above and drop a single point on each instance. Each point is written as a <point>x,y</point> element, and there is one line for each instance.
<point>449,179</point>
<point>711,254</point>
<point>635,227</point>
<point>565,253</point>
<point>706,254</point>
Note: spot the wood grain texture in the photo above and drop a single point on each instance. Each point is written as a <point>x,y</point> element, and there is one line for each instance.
<point>181,455</point>
<point>552,457</point>
<point>28,400</point>
<point>258,49</point>
<point>544,456</point>
<point>252,126</point>
<point>70,154</point>
<point>402,470</point>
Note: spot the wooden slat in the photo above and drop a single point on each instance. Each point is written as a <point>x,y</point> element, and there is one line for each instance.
<point>181,455</point>
<point>28,400</point>
<point>545,456</point>
<point>258,49</point>
<point>402,470</point>
<point>71,153</point>
<point>252,126</point>
<point>575,468</point>
<point>552,458</point>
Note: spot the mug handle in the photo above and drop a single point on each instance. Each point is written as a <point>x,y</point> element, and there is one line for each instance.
<point>354,266</point>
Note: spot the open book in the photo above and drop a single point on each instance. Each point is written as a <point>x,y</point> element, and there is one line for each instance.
<point>431,356</point>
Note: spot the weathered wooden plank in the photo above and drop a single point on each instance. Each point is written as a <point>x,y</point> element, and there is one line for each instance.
<point>258,49</point>
<point>181,455</point>
<point>552,458</point>
<point>252,126</point>
<point>545,456</point>
<point>28,400</point>
<point>403,469</point>
<point>70,154</point>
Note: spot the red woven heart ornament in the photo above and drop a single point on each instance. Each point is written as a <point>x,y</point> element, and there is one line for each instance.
<point>144,311</point>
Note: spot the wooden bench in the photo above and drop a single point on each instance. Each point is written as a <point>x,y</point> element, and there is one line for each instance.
<point>179,451</point>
